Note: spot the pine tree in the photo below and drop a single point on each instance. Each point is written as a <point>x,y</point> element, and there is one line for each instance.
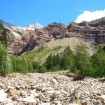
<point>98,60</point>
<point>49,62</point>
<point>82,61</point>
<point>3,37</point>
<point>67,60</point>
<point>56,62</point>
<point>68,51</point>
<point>5,61</point>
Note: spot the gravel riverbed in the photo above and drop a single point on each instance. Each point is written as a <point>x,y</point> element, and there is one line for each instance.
<point>50,89</point>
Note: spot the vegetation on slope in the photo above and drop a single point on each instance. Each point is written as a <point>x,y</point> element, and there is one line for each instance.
<point>41,53</point>
<point>45,59</point>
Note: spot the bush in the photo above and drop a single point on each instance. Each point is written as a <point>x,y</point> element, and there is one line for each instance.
<point>55,68</point>
<point>36,66</point>
<point>22,65</point>
<point>42,69</point>
<point>30,65</point>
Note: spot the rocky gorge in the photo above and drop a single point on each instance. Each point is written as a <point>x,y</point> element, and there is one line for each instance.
<point>51,89</point>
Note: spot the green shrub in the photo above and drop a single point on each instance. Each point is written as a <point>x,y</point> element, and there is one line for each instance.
<point>55,68</point>
<point>30,65</point>
<point>22,65</point>
<point>36,66</point>
<point>42,69</point>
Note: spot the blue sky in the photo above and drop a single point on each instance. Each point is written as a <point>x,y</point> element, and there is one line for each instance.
<point>24,12</point>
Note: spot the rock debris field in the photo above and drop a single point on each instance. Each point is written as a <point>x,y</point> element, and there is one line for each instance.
<point>50,89</point>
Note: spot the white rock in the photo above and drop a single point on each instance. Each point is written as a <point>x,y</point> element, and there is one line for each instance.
<point>63,91</point>
<point>45,104</point>
<point>55,81</point>
<point>101,97</point>
<point>8,100</point>
<point>54,91</point>
<point>10,104</point>
<point>33,93</point>
<point>28,99</point>
<point>58,103</point>
<point>10,87</point>
<point>3,95</point>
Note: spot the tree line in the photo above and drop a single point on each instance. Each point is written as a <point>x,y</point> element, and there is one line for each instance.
<point>78,62</point>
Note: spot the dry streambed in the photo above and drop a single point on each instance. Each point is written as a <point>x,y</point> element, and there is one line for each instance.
<point>50,89</point>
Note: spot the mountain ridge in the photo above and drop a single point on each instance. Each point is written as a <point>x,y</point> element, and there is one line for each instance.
<point>12,26</point>
<point>28,39</point>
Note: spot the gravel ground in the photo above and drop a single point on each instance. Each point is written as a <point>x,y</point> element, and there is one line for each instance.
<point>50,89</point>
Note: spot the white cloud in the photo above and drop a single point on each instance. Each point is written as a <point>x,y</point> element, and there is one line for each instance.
<point>89,16</point>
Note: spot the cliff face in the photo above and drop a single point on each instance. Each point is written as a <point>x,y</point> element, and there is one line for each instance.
<point>30,39</point>
<point>93,32</point>
<point>38,37</point>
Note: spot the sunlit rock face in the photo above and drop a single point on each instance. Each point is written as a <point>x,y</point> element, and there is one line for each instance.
<point>23,39</point>
<point>94,30</point>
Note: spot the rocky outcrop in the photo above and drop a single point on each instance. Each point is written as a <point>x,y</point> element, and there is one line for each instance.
<point>33,39</point>
<point>93,32</point>
<point>50,89</point>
